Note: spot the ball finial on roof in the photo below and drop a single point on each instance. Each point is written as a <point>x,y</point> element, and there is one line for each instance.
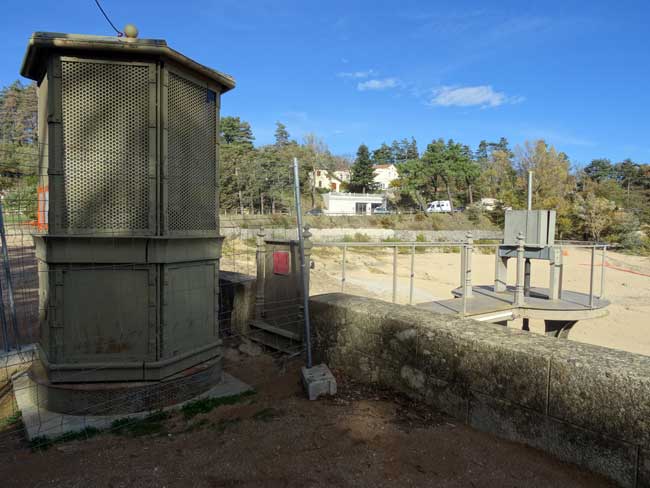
<point>131,31</point>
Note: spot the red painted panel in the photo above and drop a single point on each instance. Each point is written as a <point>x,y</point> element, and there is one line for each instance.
<point>281,262</point>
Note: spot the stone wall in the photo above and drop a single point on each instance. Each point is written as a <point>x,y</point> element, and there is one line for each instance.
<point>372,234</point>
<point>584,404</point>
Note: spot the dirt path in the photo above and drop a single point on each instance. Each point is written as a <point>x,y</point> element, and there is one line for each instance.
<point>277,438</point>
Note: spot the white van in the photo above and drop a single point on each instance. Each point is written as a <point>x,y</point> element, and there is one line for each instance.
<point>439,206</point>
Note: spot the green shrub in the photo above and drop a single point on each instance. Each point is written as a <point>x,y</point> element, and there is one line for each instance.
<point>357,237</point>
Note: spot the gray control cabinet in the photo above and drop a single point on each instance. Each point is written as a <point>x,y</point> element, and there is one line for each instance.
<point>538,227</point>
<point>128,266</point>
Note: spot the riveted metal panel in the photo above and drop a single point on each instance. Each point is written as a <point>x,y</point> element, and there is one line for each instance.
<point>191,156</point>
<point>190,307</point>
<point>118,317</point>
<point>107,168</point>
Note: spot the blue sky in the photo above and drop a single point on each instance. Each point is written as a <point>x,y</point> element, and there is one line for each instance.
<point>574,73</point>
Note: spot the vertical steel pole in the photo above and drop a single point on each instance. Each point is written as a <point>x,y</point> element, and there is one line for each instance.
<point>519,285</point>
<point>530,191</point>
<point>463,267</point>
<point>463,283</point>
<point>10,288</point>
<point>602,272</point>
<point>559,294</point>
<point>3,318</point>
<point>468,264</point>
<point>260,261</point>
<point>303,271</point>
<point>591,276</point>
<point>343,268</point>
<point>394,273</point>
<point>412,275</point>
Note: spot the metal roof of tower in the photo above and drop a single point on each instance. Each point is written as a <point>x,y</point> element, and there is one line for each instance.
<point>43,44</point>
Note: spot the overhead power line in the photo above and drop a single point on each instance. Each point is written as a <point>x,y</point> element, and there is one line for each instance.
<point>119,33</point>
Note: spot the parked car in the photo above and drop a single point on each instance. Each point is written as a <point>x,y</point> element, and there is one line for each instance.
<point>382,211</point>
<point>315,212</point>
<point>439,206</point>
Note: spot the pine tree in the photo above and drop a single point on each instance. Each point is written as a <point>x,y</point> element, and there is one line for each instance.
<point>281,134</point>
<point>363,173</point>
<point>482,151</point>
<point>237,160</point>
<point>412,150</point>
<point>236,131</point>
<point>383,155</point>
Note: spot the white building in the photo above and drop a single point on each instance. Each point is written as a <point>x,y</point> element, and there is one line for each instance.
<point>331,180</point>
<point>384,175</point>
<point>351,203</point>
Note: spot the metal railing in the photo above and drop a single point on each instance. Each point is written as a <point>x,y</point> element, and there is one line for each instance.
<point>467,249</point>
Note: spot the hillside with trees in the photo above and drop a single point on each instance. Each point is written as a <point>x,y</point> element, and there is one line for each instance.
<point>603,200</point>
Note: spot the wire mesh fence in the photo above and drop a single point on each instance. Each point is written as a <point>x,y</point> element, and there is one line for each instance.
<point>394,271</point>
<point>93,206</point>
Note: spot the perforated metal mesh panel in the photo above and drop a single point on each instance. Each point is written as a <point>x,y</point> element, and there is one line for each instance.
<point>105,145</point>
<point>192,160</point>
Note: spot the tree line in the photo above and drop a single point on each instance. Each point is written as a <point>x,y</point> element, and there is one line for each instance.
<point>602,200</point>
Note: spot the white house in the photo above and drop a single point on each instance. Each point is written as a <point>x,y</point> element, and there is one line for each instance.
<point>351,203</point>
<point>384,175</point>
<point>331,180</point>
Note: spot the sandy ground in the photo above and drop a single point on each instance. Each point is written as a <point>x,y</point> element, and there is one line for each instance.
<point>277,438</point>
<point>626,284</point>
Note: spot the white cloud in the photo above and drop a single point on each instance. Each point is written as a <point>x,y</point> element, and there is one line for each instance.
<point>357,74</point>
<point>378,84</point>
<point>469,96</point>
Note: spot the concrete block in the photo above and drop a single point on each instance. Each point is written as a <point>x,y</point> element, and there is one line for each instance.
<point>614,459</point>
<point>318,380</point>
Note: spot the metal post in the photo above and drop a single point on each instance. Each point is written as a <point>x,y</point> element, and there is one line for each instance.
<point>306,238</point>
<point>519,286</point>
<point>463,266</point>
<point>530,191</point>
<point>343,268</point>
<point>591,276</point>
<point>412,275</point>
<point>527,267</point>
<point>559,293</point>
<point>469,249</point>
<point>394,273</point>
<point>10,288</point>
<point>260,258</point>
<point>3,318</point>
<point>554,274</point>
<point>303,271</point>
<point>463,282</point>
<point>602,272</point>
<point>500,271</point>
